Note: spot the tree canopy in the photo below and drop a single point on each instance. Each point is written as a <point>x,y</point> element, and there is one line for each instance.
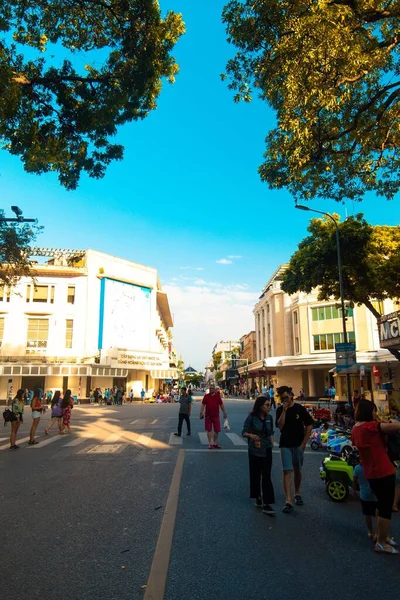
<point>15,240</point>
<point>72,71</point>
<point>331,71</point>
<point>370,258</point>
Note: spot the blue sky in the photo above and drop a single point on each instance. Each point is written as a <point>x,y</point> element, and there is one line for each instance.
<point>186,195</point>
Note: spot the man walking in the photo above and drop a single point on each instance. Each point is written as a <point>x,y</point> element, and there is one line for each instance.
<point>271,393</point>
<point>210,406</point>
<point>295,424</point>
<point>185,409</point>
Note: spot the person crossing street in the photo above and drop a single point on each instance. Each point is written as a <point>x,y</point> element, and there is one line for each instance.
<point>185,409</point>
<point>211,404</point>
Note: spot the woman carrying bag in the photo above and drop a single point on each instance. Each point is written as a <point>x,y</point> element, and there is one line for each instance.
<point>56,412</point>
<point>17,408</point>
<point>37,408</point>
<point>259,430</point>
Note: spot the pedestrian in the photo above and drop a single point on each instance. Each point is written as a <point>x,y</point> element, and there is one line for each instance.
<point>211,404</point>
<point>30,396</point>
<point>143,395</point>
<point>258,428</point>
<point>368,436</point>
<point>271,394</point>
<point>367,499</point>
<point>67,405</point>
<point>264,391</point>
<point>37,409</point>
<point>131,396</point>
<point>17,409</point>
<point>185,409</point>
<point>56,412</point>
<point>397,490</point>
<point>295,424</point>
<point>302,395</point>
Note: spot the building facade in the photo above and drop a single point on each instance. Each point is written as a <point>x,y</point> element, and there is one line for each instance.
<point>86,320</point>
<point>296,337</point>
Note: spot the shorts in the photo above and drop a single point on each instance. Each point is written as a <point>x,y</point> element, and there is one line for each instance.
<point>292,458</point>
<point>212,422</point>
<point>369,507</point>
<point>36,414</point>
<point>384,489</point>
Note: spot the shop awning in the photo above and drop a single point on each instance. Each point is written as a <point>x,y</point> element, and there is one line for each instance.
<point>164,374</point>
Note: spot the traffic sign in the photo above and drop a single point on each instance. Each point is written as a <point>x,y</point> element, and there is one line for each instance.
<point>346,358</point>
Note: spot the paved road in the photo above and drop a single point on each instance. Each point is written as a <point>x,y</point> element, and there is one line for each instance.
<point>82,516</point>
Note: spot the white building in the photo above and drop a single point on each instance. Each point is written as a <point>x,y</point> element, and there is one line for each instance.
<point>226,349</point>
<point>87,320</point>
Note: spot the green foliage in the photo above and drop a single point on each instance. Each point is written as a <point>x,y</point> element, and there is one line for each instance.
<point>330,69</point>
<point>15,240</point>
<point>217,359</point>
<point>370,258</point>
<point>195,380</point>
<point>58,114</point>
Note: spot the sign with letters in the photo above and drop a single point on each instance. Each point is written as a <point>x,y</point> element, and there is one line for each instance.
<point>145,361</point>
<point>389,330</point>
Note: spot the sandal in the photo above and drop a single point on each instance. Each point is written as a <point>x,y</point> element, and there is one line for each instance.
<point>392,542</point>
<point>210,446</point>
<point>217,446</point>
<point>288,508</point>
<point>298,500</point>
<point>380,548</point>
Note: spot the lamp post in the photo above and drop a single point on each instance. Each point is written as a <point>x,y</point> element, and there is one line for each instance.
<point>18,217</point>
<point>340,272</point>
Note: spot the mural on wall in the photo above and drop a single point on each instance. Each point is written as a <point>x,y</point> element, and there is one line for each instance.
<point>125,316</point>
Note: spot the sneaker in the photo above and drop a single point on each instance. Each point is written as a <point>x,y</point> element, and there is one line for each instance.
<point>288,508</point>
<point>16,447</point>
<point>298,500</point>
<point>177,434</point>
<point>32,442</point>
<point>268,510</point>
<point>258,502</point>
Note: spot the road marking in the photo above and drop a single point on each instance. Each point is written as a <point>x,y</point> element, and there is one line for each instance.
<point>114,437</point>
<point>161,462</point>
<point>3,439</point>
<point>144,439</point>
<point>154,422</point>
<point>79,440</point>
<point>104,449</point>
<point>203,438</point>
<point>174,440</point>
<point>157,581</point>
<point>236,440</point>
<point>21,441</point>
<point>135,421</point>
<point>46,442</point>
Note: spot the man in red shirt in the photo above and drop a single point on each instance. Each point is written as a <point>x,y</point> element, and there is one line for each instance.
<point>211,405</point>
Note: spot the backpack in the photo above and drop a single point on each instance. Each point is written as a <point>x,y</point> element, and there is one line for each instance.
<point>8,416</point>
<point>393,446</point>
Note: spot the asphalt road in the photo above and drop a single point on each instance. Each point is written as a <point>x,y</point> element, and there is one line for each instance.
<point>82,514</point>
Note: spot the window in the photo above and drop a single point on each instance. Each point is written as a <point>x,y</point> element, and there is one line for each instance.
<point>52,294</point>
<point>28,292</point>
<point>40,293</point>
<point>295,318</point>
<point>378,305</point>
<point>69,330</point>
<point>327,341</point>
<point>71,294</point>
<point>297,345</point>
<point>269,329</point>
<point>1,330</point>
<point>37,336</point>
<point>5,293</point>
<point>325,313</point>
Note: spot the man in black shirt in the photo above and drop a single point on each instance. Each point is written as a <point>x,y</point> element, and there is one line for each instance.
<point>295,424</point>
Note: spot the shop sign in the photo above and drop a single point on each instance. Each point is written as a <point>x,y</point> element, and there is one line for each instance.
<point>389,330</point>
<point>346,358</point>
<point>142,360</point>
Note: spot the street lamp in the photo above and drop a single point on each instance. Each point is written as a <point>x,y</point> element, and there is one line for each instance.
<point>19,217</point>
<point>341,291</point>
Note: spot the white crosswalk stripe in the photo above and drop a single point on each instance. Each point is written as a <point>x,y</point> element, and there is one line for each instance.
<point>45,442</point>
<point>134,421</point>
<point>79,440</point>
<point>21,441</point>
<point>154,422</point>
<point>174,440</point>
<point>236,439</point>
<point>114,437</point>
<point>145,439</point>
<point>203,438</point>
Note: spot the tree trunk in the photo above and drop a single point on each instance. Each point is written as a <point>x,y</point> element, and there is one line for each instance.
<point>370,306</point>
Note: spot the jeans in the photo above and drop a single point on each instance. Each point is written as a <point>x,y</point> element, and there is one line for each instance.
<point>260,477</point>
<point>183,417</point>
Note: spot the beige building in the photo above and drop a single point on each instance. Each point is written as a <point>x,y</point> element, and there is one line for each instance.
<point>296,337</point>
<point>88,320</point>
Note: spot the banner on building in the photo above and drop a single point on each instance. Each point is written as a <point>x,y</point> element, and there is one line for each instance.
<point>389,330</point>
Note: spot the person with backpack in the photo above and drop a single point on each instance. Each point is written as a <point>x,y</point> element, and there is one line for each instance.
<point>258,428</point>
<point>16,418</point>
<point>56,412</point>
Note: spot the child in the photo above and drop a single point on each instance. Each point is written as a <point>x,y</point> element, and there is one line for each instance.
<point>367,498</point>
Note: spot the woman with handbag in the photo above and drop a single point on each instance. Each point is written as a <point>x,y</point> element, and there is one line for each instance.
<point>37,409</point>
<point>56,412</point>
<point>259,431</point>
<point>17,409</point>
<point>368,436</point>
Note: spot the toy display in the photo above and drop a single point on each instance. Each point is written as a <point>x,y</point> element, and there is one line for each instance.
<point>337,473</point>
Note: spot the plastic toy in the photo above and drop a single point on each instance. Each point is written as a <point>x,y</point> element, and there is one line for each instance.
<point>338,475</point>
